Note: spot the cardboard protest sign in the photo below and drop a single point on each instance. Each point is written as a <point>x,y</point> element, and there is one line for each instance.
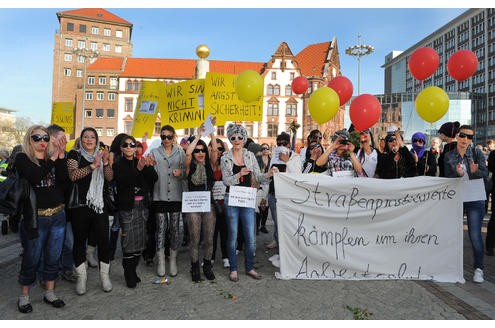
<point>222,101</point>
<point>63,115</point>
<point>149,102</point>
<point>183,105</point>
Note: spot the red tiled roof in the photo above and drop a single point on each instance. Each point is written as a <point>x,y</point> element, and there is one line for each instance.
<point>106,64</point>
<point>94,13</point>
<point>312,59</point>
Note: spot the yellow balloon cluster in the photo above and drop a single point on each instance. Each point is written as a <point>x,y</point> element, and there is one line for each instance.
<point>249,86</point>
<point>323,104</point>
<point>432,103</point>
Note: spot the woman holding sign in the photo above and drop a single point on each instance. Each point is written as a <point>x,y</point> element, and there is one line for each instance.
<point>240,170</point>
<point>200,178</point>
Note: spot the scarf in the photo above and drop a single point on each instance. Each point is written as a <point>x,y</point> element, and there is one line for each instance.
<point>94,197</point>
<point>420,150</point>
<point>199,176</point>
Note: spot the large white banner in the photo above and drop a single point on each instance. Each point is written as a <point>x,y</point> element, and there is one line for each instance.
<point>364,228</point>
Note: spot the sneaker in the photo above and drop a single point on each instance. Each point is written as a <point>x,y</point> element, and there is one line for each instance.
<point>478,276</point>
<point>272,244</point>
<point>69,275</point>
<point>274,257</point>
<point>226,263</point>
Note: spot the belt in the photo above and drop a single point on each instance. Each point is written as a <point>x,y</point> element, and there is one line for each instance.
<point>138,198</point>
<point>50,211</point>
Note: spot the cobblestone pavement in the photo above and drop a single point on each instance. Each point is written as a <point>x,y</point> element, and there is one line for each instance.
<point>268,298</point>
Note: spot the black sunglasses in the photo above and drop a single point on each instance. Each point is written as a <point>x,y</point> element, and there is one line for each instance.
<point>391,140</point>
<point>282,143</point>
<point>463,135</point>
<point>316,137</point>
<point>221,149</point>
<point>265,148</point>
<point>128,144</point>
<point>39,137</point>
<point>199,150</point>
<point>418,140</point>
<point>238,138</point>
<point>166,136</point>
<point>314,146</point>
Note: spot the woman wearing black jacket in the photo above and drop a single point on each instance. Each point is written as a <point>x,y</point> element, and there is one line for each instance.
<point>396,161</point>
<point>134,179</point>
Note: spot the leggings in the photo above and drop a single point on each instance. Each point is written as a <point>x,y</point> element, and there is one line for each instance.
<point>197,223</point>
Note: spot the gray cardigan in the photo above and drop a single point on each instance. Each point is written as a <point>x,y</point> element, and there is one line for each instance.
<point>168,188</point>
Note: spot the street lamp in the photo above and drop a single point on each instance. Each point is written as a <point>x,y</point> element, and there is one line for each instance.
<point>357,51</point>
<point>85,53</point>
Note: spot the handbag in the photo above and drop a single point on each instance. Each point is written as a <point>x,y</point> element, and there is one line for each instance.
<point>110,197</point>
<point>13,191</point>
<point>73,200</point>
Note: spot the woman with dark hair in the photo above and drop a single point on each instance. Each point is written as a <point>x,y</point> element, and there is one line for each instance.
<point>367,154</point>
<point>134,179</point>
<point>315,150</point>
<point>167,196</point>
<point>426,163</point>
<point>43,233</point>
<point>89,167</point>
<point>395,161</point>
<point>262,198</point>
<point>314,136</point>
<point>200,178</point>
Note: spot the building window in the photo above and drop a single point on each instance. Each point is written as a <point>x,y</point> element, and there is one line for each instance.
<point>89,95</point>
<point>81,44</point>
<point>82,28</point>
<point>136,86</point>
<point>292,76</point>
<point>274,75</point>
<point>272,130</point>
<point>129,85</point>
<point>158,127</point>
<point>99,131</point>
<point>110,113</point>
<point>118,49</point>
<point>129,104</point>
<point>80,59</point>
<point>102,80</point>
<point>94,46</point>
<point>67,72</point>
<point>127,127</point>
<point>68,57</point>
<point>110,132</point>
<point>113,83</point>
<point>91,80</point>
<point>79,73</point>
<point>221,130</point>
<point>68,42</point>
<point>88,113</point>
<point>111,96</point>
<point>276,90</point>
<point>288,90</point>
<point>95,30</point>
<point>70,26</point>
<point>106,47</point>
<point>269,90</point>
<point>100,96</point>
<point>107,32</point>
<point>118,34</point>
<point>99,113</point>
<point>249,129</point>
<point>291,110</point>
<point>272,109</point>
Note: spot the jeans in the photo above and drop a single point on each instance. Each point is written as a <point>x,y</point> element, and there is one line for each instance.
<point>475,213</point>
<point>51,233</point>
<point>272,203</point>
<point>245,215</point>
<point>66,258</point>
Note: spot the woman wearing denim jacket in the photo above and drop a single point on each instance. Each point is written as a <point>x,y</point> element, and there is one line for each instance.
<point>240,168</point>
<point>468,163</point>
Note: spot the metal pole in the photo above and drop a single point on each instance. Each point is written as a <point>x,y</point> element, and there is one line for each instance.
<point>84,94</point>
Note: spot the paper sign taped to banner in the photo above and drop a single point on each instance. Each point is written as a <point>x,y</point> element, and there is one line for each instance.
<point>196,202</point>
<point>242,196</point>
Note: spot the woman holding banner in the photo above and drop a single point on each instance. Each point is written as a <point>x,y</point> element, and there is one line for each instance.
<point>240,168</point>
<point>468,163</point>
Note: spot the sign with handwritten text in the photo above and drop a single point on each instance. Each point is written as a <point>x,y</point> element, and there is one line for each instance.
<point>183,104</point>
<point>196,201</point>
<point>242,196</point>
<point>368,229</point>
<point>63,115</point>
<point>221,100</point>
<point>149,102</point>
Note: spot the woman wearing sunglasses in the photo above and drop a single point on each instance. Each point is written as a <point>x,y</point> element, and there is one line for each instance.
<point>468,163</point>
<point>200,178</point>
<point>134,179</point>
<point>240,168</point>
<point>395,161</point>
<point>42,233</point>
<point>426,163</point>
<point>167,197</point>
<point>89,168</point>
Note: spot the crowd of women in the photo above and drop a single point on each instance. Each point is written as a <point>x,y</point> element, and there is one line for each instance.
<point>147,209</point>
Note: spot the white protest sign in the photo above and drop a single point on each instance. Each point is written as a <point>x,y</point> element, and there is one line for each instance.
<point>196,201</point>
<point>218,191</point>
<point>209,128</point>
<point>365,228</point>
<point>242,196</point>
<point>474,190</point>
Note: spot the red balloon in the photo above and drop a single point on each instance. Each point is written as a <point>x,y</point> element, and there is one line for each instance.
<point>365,111</point>
<point>423,63</point>
<point>343,87</point>
<point>300,85</point>
<point>462,65</point>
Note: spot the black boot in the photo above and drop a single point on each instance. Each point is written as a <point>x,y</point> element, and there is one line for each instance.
<point>136,263</point>
<point>112,244</point>
<point>195,274</point>
<point>129,271</point>
<point>207,270</point>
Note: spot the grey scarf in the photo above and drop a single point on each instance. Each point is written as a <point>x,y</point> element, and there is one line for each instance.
<point>94,197</point>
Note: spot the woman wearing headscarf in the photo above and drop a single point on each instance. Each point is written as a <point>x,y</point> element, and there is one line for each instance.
<point>426,163</point>
<point>89,167</point>
<point>43,233</point>
<point>240,168</point>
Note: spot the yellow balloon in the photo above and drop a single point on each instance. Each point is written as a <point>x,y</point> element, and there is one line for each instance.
<point>70,145</point>
<point>249,86</point>
<point>323,104</point>
<point>432,103</point>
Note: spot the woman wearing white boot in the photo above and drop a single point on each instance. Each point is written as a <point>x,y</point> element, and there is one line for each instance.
<point>89,167</point>
<point>167,196</point>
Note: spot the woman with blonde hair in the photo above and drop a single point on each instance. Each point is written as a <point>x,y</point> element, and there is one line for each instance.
<point>43,232</point>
